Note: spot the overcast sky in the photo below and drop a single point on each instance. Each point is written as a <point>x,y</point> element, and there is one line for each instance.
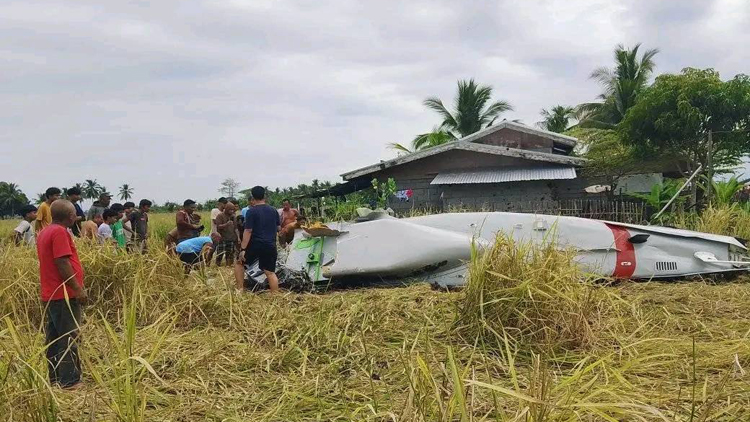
<point>173,97</point>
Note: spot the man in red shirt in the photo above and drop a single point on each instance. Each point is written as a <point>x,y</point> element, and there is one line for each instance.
<point>61,280</point>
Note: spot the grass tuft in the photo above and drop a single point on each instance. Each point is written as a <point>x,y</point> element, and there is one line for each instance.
<point>535,295</point>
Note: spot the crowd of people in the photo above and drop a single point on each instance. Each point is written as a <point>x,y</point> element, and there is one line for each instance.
<point>120,224</point>
<point>236,240</point>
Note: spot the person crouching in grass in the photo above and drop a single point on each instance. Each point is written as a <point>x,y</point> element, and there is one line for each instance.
<point>197,251</point>
<point>61,281</point>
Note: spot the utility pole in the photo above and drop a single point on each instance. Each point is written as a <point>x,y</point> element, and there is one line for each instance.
<point>709,164</point>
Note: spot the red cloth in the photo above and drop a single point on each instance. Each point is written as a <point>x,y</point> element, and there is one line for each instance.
<point>55,242</point>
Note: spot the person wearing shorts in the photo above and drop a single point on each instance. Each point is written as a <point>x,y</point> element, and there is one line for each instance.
<point>259,239</point>
<point>197,250</point>
<point>227,228</point>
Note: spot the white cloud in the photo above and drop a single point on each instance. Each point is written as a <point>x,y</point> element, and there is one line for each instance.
<point>173,97</point>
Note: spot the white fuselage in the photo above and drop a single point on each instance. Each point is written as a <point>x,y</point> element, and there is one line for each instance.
<point>438,246</point>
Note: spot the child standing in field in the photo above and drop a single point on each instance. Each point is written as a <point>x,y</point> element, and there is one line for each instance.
<point>139,221</point>
<point>105,232</point>
<point>118,231</point>
<point>24,232</point>
<point>61,290</point>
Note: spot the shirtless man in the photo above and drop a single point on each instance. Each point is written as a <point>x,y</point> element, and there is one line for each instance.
<point>288,216</point>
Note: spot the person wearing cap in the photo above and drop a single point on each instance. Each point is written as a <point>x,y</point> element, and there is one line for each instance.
<point>99,205</point>
<point>24,232</point>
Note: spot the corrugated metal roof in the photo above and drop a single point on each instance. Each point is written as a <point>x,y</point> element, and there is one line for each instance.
<point>503,175</point>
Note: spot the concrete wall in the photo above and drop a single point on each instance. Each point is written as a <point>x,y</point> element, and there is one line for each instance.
<point>638,183</point>
<point>496,197</point>
<point>424,195</point>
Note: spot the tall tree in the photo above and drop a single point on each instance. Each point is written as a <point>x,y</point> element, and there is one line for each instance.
<point>557,119</point>
<point>229,187</point>
<point>126,192</point>
<point>11,198</point>
<point>673,118</point>
<point>91,189</point>
<point>622,85</point>
<point>424,141</point>
<point>472,111</point>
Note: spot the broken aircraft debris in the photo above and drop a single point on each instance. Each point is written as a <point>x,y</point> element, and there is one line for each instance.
<point>437,247</point>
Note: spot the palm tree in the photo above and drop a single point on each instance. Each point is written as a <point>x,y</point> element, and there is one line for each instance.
<point>40,197</point>
<point>126,192</point>
<point>622,86</point>
<point>472,109</point>
<point>424,141</point>
<point>557,119</point>
<point>11,197</point>
<point>91,189</point>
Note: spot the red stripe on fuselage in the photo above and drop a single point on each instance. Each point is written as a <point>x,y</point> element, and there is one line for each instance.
<point>625,261</point>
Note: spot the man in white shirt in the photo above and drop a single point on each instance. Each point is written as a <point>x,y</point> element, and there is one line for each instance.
<point>24,232</point>
<point>220,204</point>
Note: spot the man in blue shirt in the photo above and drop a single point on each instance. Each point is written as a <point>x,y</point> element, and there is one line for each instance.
<point>244,211</point>
<point>259,239</point>
<point>197,250</point>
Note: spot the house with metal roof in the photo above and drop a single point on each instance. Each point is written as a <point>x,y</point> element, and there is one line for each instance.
<point>495,168</point>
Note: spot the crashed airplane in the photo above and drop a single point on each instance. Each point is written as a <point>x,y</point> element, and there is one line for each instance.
<point>436,248</point>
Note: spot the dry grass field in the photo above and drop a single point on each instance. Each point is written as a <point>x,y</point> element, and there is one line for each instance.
<point>531,339</point>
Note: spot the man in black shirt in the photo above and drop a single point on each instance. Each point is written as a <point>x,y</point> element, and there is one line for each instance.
<point>139,225</point>
<point>259,239</point>
<point>74,196</point>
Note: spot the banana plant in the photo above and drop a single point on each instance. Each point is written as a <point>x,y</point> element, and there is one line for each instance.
<point>660,194</point>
